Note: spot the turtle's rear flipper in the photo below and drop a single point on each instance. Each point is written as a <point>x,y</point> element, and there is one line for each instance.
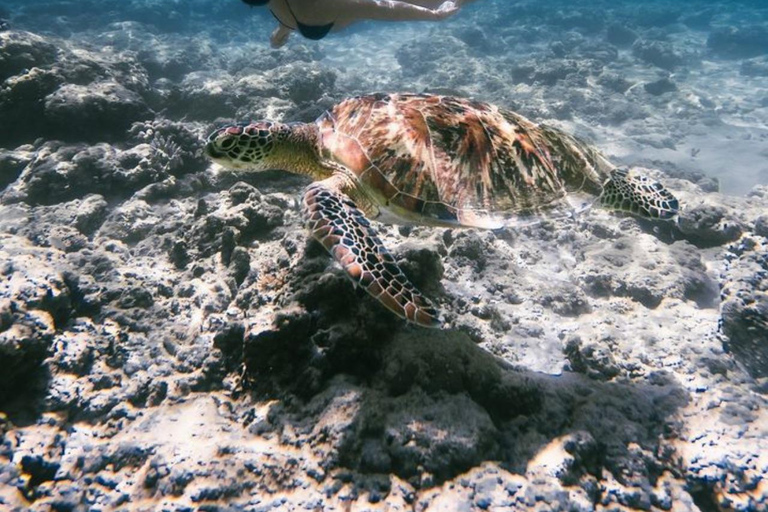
<point>639,195</point>
<point>335,221</point>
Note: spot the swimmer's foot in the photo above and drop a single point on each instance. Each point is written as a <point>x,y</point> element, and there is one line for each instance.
<point>279,37</point>
<point>446,9</point>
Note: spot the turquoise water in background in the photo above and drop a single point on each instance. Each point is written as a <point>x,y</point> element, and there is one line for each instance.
<point>715,122</point>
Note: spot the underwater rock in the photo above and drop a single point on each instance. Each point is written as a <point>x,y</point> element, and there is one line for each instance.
<point>411,363</point>
<point>20,51</point>
<point>619,269</point>
<point>549,73</point>
<point>33,286</point>
<point>169,60</point>
<point>65,226</point>
<point>659,87</point>
<point>739,42</point>
<point>97,112</point>
<point>422,262</point>
<point>294,89</point>
<point>761,226</point>
<point>130,222</point>
<point>34,302</point>
<point>658,53</point>
<point>54,91</point>
<point>279,357</point>
<point>414,441</point>
<point>176,144</point>
<point>620,35</point>
<point>59,172</point>
<point>709,225</point>
<point>593,51</point>
<point>447,69</point>
<point>302,83</point>
<point>25,337</point>
<point>470,249</point>
<point>565,300</point>
<point>419,387</point>
<point>744,310</point>
<point>239,264</point>
<point>755,67</point>
<point>476,39</point>
<point>554,71</point>
<point>205,96</point>
<point>251,213</point>
<point>25,60</point>
<point>592,359</point>
<point>12,164</point>
<point>323,327</point>
<point>416,59</point>
<point>247,215</point>
<point>614,82</point>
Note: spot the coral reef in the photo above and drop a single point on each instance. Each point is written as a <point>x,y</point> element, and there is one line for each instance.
<point>170,340</point>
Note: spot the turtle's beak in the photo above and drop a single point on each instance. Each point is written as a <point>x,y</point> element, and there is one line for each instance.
<point>214,151</point>
<point>217,156</point>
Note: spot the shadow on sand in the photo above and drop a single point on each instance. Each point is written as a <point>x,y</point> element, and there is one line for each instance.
<point>367,395</point>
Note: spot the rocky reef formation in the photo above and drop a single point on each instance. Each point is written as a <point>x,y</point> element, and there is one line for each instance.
<point>170,339</point>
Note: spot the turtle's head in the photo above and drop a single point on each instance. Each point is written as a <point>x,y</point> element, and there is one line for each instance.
<point>263,145</point>
<point>246,146</point>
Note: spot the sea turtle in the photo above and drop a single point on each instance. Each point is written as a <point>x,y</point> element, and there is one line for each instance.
<point>430,160</point>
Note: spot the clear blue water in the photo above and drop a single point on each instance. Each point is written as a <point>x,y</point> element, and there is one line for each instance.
<point>714,122</point>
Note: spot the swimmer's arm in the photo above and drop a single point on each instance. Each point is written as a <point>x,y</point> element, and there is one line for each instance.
<point>394,10</point>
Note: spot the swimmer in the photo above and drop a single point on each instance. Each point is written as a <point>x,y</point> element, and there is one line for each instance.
<point>314,19</point>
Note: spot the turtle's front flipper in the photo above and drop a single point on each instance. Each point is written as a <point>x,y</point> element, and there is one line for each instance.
<point>335,221</point>
<point>639,195</point>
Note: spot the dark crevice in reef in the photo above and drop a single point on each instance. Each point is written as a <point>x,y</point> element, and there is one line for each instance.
<point>23,399</point>
<point>704,497</point>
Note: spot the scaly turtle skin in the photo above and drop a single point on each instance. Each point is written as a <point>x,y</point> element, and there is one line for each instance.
<point>431,160</point>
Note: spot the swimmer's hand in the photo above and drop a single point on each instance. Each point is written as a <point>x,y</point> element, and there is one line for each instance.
<point>445,10</point>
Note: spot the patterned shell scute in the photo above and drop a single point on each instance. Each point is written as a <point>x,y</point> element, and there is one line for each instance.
<point>451,159</point>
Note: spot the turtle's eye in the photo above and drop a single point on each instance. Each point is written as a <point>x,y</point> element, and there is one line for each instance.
<point>223,143</point>
<point>226,142</point>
